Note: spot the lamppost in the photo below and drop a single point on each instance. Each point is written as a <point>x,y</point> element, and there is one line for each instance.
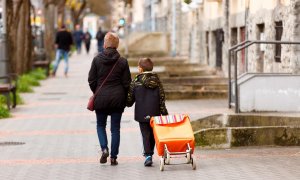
<point>3,41</point>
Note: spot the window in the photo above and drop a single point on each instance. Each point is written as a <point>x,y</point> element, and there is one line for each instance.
<point>234,36</point>
<point>261,36</point>
<point>278,36</point>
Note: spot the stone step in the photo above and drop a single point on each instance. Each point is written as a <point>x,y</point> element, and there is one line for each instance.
<point>140,54</point>
<point>159,61</point>
<point>193,87</point>
<point>195,94</point>
<point>185,66</point>
<point>178,73</point>
<point>236,130</point>
<point>194,80</point>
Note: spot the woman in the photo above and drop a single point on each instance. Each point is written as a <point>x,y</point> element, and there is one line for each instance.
<point>111,99</point>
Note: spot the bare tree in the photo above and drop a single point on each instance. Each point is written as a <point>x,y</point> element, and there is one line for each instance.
<point>76,13</point>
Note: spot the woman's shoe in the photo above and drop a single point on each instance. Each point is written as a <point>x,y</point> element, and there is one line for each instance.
<point>113,162</point>
<point>104,156</point>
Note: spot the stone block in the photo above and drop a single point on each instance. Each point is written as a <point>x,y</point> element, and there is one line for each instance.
<point>214,138</point>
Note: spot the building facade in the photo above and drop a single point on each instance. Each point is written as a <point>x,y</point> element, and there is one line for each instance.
<point>205,31</point>
<point>213,33</point>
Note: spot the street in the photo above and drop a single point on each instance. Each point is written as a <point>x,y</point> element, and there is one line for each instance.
<point>58,140</point>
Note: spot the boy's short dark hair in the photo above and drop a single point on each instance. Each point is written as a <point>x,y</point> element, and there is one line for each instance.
<point>146,64</point>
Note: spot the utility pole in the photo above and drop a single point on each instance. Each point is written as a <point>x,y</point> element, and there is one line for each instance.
<point>174,24</point>
<point>3,42</point>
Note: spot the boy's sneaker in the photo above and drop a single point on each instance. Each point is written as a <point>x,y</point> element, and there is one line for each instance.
<point>113,162</point>
<point>148,161</point>
<point>104,156</point>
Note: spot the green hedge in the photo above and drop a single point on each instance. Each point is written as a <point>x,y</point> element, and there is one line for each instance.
<point>25,83</point>
<point>39,74</point>
<point>30,79</point>
<point>4,112</point>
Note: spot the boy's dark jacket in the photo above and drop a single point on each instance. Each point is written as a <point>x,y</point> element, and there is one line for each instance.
<point>148,94</point>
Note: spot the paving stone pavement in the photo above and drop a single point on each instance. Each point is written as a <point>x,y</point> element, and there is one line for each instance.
<point>61,143</point>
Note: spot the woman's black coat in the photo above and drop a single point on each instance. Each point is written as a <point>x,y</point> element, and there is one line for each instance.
<point>113,94</point>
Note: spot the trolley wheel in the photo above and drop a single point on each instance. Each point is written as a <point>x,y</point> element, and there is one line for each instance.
<point>168,158</point>
<point>162,163</point>
<point>193,164</point>
<point>188,157</point>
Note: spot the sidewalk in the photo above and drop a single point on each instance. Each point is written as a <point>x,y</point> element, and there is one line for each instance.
<point>61,143</point>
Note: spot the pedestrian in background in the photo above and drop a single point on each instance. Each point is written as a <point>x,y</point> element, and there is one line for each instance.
<point>78,36</point>
<point>63,42</point>
<point>147,92</point>
<point>87,41</point>
<point>100,39</point>
<point>111,73</point>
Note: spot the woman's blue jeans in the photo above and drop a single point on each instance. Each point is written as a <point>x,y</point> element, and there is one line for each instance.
<point>114,128</point>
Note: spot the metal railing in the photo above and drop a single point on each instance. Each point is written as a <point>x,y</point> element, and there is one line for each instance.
<point>235,49</point>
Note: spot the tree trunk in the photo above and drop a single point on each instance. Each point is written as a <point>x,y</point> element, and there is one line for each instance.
<point>28,39</point>
<point>61,11</point>
<point>11,31</point>
<point>19,36</point>
<point>49,11</point>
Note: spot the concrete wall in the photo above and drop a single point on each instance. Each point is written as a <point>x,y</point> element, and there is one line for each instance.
<point>147,44</point>
<point>270,93</point>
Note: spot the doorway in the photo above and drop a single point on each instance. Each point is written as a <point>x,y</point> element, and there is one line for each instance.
<point>219,36</point>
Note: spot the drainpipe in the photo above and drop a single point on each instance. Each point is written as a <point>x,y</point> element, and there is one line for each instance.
<point>152,16</point>
<point>246,30</point>
<point>174,38</point>
<point>3,54</point>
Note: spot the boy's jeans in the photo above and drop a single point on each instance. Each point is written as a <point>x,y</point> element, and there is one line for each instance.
<point>115,131</point>
<point>148,138</point>
<point>65,54</point>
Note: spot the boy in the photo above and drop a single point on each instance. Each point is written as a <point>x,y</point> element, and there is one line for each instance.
<point>148,94</point>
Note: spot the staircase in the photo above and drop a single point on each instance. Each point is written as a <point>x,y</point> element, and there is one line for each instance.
<point>181,79</point>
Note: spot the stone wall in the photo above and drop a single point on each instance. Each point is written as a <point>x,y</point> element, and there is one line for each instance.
<point>268,18</point>
<point>295,8</point>
<point>254,61</point>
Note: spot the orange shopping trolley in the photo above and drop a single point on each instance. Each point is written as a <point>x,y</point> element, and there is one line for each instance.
<point>173,136</point>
